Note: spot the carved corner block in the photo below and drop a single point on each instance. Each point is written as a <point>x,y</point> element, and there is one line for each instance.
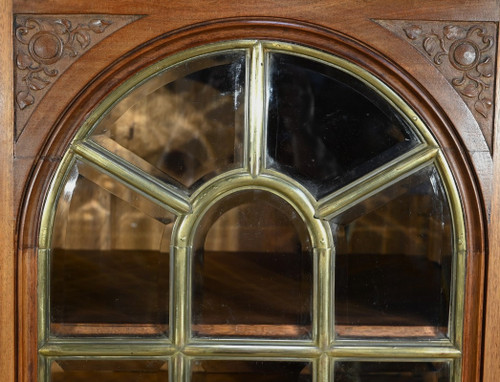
<point>465,53</point>
<point>45,46</point>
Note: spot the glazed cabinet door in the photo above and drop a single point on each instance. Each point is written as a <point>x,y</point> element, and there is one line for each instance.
<point>219,191</point>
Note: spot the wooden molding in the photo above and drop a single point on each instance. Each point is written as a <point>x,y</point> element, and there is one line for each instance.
<point>7,219</point>
<point>465,53</point>
<point>45,46</point>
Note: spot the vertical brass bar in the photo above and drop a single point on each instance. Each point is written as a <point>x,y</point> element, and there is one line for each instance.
<point>322,314</point>
<point>322,365</point>
<point>43,295</point>
<point>179,364</point>
<point>180,303</point>
<point>44,368</point>
<point>254,145</point>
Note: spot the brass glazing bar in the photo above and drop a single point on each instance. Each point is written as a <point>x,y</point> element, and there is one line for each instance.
<point>254,350</point>
<point>179,368</point>
<point>459,263</point>
<point>133,177</point>
<point>323,313</point>
<point>323,369</point>
<point>180,304</point>
<point>43,294</point>
<point>366,186</point>
<point>256,101</point>
<point>395,351</point>
<point>43,368</point>
<point>118,348</point>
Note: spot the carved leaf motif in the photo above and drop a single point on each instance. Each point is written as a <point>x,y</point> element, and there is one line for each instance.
<point>482,106</point>
<point>65,22</point>
<point>38,83</point>
<point>24,99</point>
<point>83,38</point>
<point>471,90</point>
<point>413,32</point>
<point>486,67</point>
<point>431,45</point>
<point>98,26</point>
<point>453,32</point>
<point>23,61</point>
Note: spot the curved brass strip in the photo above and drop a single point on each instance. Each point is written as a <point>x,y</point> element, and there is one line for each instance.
<point>239,180</point>
<point>363,75</point>
<point>460,252</point>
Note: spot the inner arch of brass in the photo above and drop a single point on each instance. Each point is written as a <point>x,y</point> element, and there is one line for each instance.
<point>233,182</point>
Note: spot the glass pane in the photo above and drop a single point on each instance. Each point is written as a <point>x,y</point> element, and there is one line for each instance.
<point>252,269</point>
<point>393,261</point>
<point>187,123</point>
<point>392,372</point>
<point>109,269</point>
<point>109,371</point>
<point>327,128</point>
<point>250,371</point>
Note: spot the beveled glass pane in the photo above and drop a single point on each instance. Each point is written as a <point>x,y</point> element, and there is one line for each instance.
<point>109,264</point>
<point>109,371</point>
<point>252,269</point>
<point>187,122</point>
<point>326,128</point>
<point>360,371</point>
<point>393,261</point>
<point>250,371</point>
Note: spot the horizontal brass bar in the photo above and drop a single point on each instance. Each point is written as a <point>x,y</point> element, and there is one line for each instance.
<point>257,350</point>
<point>395,351</point>
<point>115,348</point>
<point>133,177</point>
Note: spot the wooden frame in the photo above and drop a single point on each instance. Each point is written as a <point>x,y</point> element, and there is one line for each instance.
<point>41,137</point>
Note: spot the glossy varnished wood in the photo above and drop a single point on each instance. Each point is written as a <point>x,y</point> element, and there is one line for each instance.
<point>7,220</point>
<point>170,27</point>
<point>491,357</point>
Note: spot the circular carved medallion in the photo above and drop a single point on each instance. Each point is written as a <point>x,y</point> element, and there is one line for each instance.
<point>46,47</point>
<point>464,54</point>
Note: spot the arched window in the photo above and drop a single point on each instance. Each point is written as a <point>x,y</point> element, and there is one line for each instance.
<point>252,211</point>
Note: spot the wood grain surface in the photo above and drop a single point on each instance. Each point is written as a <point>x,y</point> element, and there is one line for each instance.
<point>7,221</point>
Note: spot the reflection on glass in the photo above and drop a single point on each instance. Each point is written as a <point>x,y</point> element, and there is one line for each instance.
<point>325,127</point>
<point>391,371</point>
<point>252,269</point>
<point>109,371</point>
<point>250,371</point>
<point>393,261</point>
<point>187,122</point>
<point>109,266</point>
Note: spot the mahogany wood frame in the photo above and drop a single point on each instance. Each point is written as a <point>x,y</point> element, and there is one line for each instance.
<point>37,154</point>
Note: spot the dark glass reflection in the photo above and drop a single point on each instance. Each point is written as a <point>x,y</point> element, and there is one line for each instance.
<point>251,371</point>
<point>252,270</point>
<point>109,268</point>
<point>326,127</point>
<point>391,372</point>
<point>185,125</point>
<point>393,261</point>
<point>109,371</point>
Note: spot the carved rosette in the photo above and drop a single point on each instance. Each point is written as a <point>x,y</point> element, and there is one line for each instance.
<point>46,45</point>
<point>464,53</point>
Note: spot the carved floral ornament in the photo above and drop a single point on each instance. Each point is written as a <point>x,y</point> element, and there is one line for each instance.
<point>467,50</point>
<point>43,43</point>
